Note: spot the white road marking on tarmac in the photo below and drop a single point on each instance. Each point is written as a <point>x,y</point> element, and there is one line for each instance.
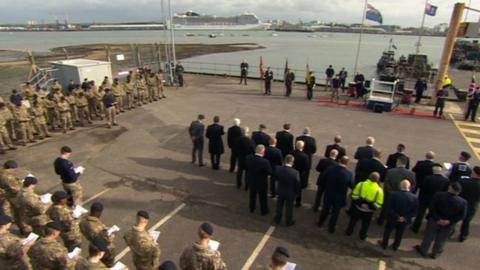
<point>382,265</point>
<point>258,248</point>
<point>156,226</point>
<point>96,196</point>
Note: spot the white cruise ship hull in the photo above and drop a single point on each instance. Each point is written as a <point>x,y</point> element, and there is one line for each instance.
<point>220,27</point>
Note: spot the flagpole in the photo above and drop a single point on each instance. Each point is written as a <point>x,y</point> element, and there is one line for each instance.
<point>360,38</point>
<point>466,13</point>
<point>419,44</point>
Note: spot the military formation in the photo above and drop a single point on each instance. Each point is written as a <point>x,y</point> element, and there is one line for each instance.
<point>36,112</point>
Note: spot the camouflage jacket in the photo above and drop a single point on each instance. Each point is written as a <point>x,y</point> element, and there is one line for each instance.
<point>64,215</point>
<point>39,113</point>
<point>84,264</point>
<point>33,208</point>
<point>48,254</point>
<point>11,185</point>
<point>11,253</point>
<point>198,257</point>
<point>20,113</point>
<point>145,250</point>
<point>82,101</point>
<point>129,87</point>
<point>92,227</point>
<point>63,107</point>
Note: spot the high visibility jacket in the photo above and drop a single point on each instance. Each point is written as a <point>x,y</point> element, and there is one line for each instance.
<point>447,81</point>
<point>368,192</point>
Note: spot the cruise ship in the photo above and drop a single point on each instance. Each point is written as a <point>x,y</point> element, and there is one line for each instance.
<point>194,21</point>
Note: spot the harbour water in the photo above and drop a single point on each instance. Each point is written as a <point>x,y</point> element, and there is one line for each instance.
<point>318,49</point>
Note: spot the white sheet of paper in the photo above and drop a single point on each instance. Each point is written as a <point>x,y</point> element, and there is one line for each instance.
<point>290,266</point>
<point>155,235</point>
<point>76,252</point>
<point>447,166</point>
<point>214,244</point>
<point>30,175</point>
<point>32,237</point>
<point>113,229</point>
<point>119,266</point>
<point>46,198</point>
<point>79,211</point>
<point>79,169</point>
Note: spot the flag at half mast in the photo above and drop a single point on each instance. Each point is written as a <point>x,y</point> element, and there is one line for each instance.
<point>373,14</point>
<point>430,9</point>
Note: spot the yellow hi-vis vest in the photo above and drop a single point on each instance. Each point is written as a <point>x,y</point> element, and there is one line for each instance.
<point>368,191</point>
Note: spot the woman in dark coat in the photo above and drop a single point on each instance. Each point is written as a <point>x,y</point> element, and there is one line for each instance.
<point>215,142</point>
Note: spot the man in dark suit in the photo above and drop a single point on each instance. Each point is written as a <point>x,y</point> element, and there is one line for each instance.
<point>432,184</point>
<point>243,147</point>
<point>215,143</point>
<point>232,134</point>
<point>461,168</point>
<point>274,156</point>
<point>268,77</point>
<point>366,166</point>
<point>258,170</point>
<point>392,159</point>
<point>337,146</point>
<point>365,151</point>
<point>196,130</point>
<point>446,209</point>
<point>471,193</point>
<point>403,207</point>
<point>423,169</point>
<point>322,166</point>
<point>301,165</point>
<point>288,188</point>
<point>260,136</point>
<point>310,147</point>
<point>338,179</point>
<point>285,140</point>
<point>393,178</point>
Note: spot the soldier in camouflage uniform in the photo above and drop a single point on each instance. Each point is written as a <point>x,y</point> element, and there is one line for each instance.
<point>82,107</point>
<point>64,109</point>
<point>51,106</point>
<point>159,93</point>
<point>39,120</point>
<point>11,185</point>
<point>28,92</point>
<point>141,90</point>
<point>96,252</point>
<point>129,87</point>
<point>145,251</point>
<point>34,210</point>
<point>117,91</point>
<point>4,136</point>
<point>200,256</point>
<point>11,247</point>
<point>72,101</point>
<point>23,118</point>
<point>151,84</point>
<point>93,228</point>
<point>279,260</point>
<point>61,213</point>
<point>49,253</point>
<point>99,101</point>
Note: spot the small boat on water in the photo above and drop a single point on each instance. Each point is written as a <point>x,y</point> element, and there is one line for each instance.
<point>274,35</point>
<point>212,36</point>
<point>312,36</point>
<point>189,35</point>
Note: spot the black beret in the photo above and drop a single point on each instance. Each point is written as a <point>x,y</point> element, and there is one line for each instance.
<point>456,186</point>
<point>466,155</point>
<point>54,225</point>
<point>30,180</point>
<point>66,149</point>
<point>201,116</point>
<point>207,227</point>
<point>143,213</point>
<point>4,220</point>
<point>2,104</point>
<point>282,251</point>
<point>10,164</point>
<point>476,169</point>
<point>96,207</point>
<point>59,195</point>
<point>263,126</point>
<point>101,244</point>
<point>168,265</point>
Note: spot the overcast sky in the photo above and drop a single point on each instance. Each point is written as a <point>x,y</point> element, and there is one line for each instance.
<point>401,12</point>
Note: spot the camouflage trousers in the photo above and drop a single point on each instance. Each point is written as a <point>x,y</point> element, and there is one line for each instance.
<point>66,121</point>
<point>84,115</point>
<point>110,113</point>
<point>52,118</point>
<point>119,105</point>
<point>75,192</point>
<point>25,128</point>
<point>41,126</point>
<point>74,112</point>
<point>5,137</point>
<point>130,101</point>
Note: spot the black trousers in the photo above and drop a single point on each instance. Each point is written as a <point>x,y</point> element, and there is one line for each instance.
<point>215,159</point>
<point>471,111</point>
<point>355,216</point>
<point>289,89</point>
<point>303,185</point>
<point>273,187</point>
<point>318,198</point>
<point>240,171</point>
<point>334,212</point>
<point>288,204</point>
<point>233,162</point>
<point>180,80</point>
<point>268,88</point>
<point>386,205</point>
<point>309,93</point>
<point>465,228</point>
<point>262,198</point>
<point>418,96</point>
<point>197,151</point>
<point>243,78</point>
<point>422,209</point>
<point>436,234</point>
<point>399,228</point>
<point>439,107</point>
